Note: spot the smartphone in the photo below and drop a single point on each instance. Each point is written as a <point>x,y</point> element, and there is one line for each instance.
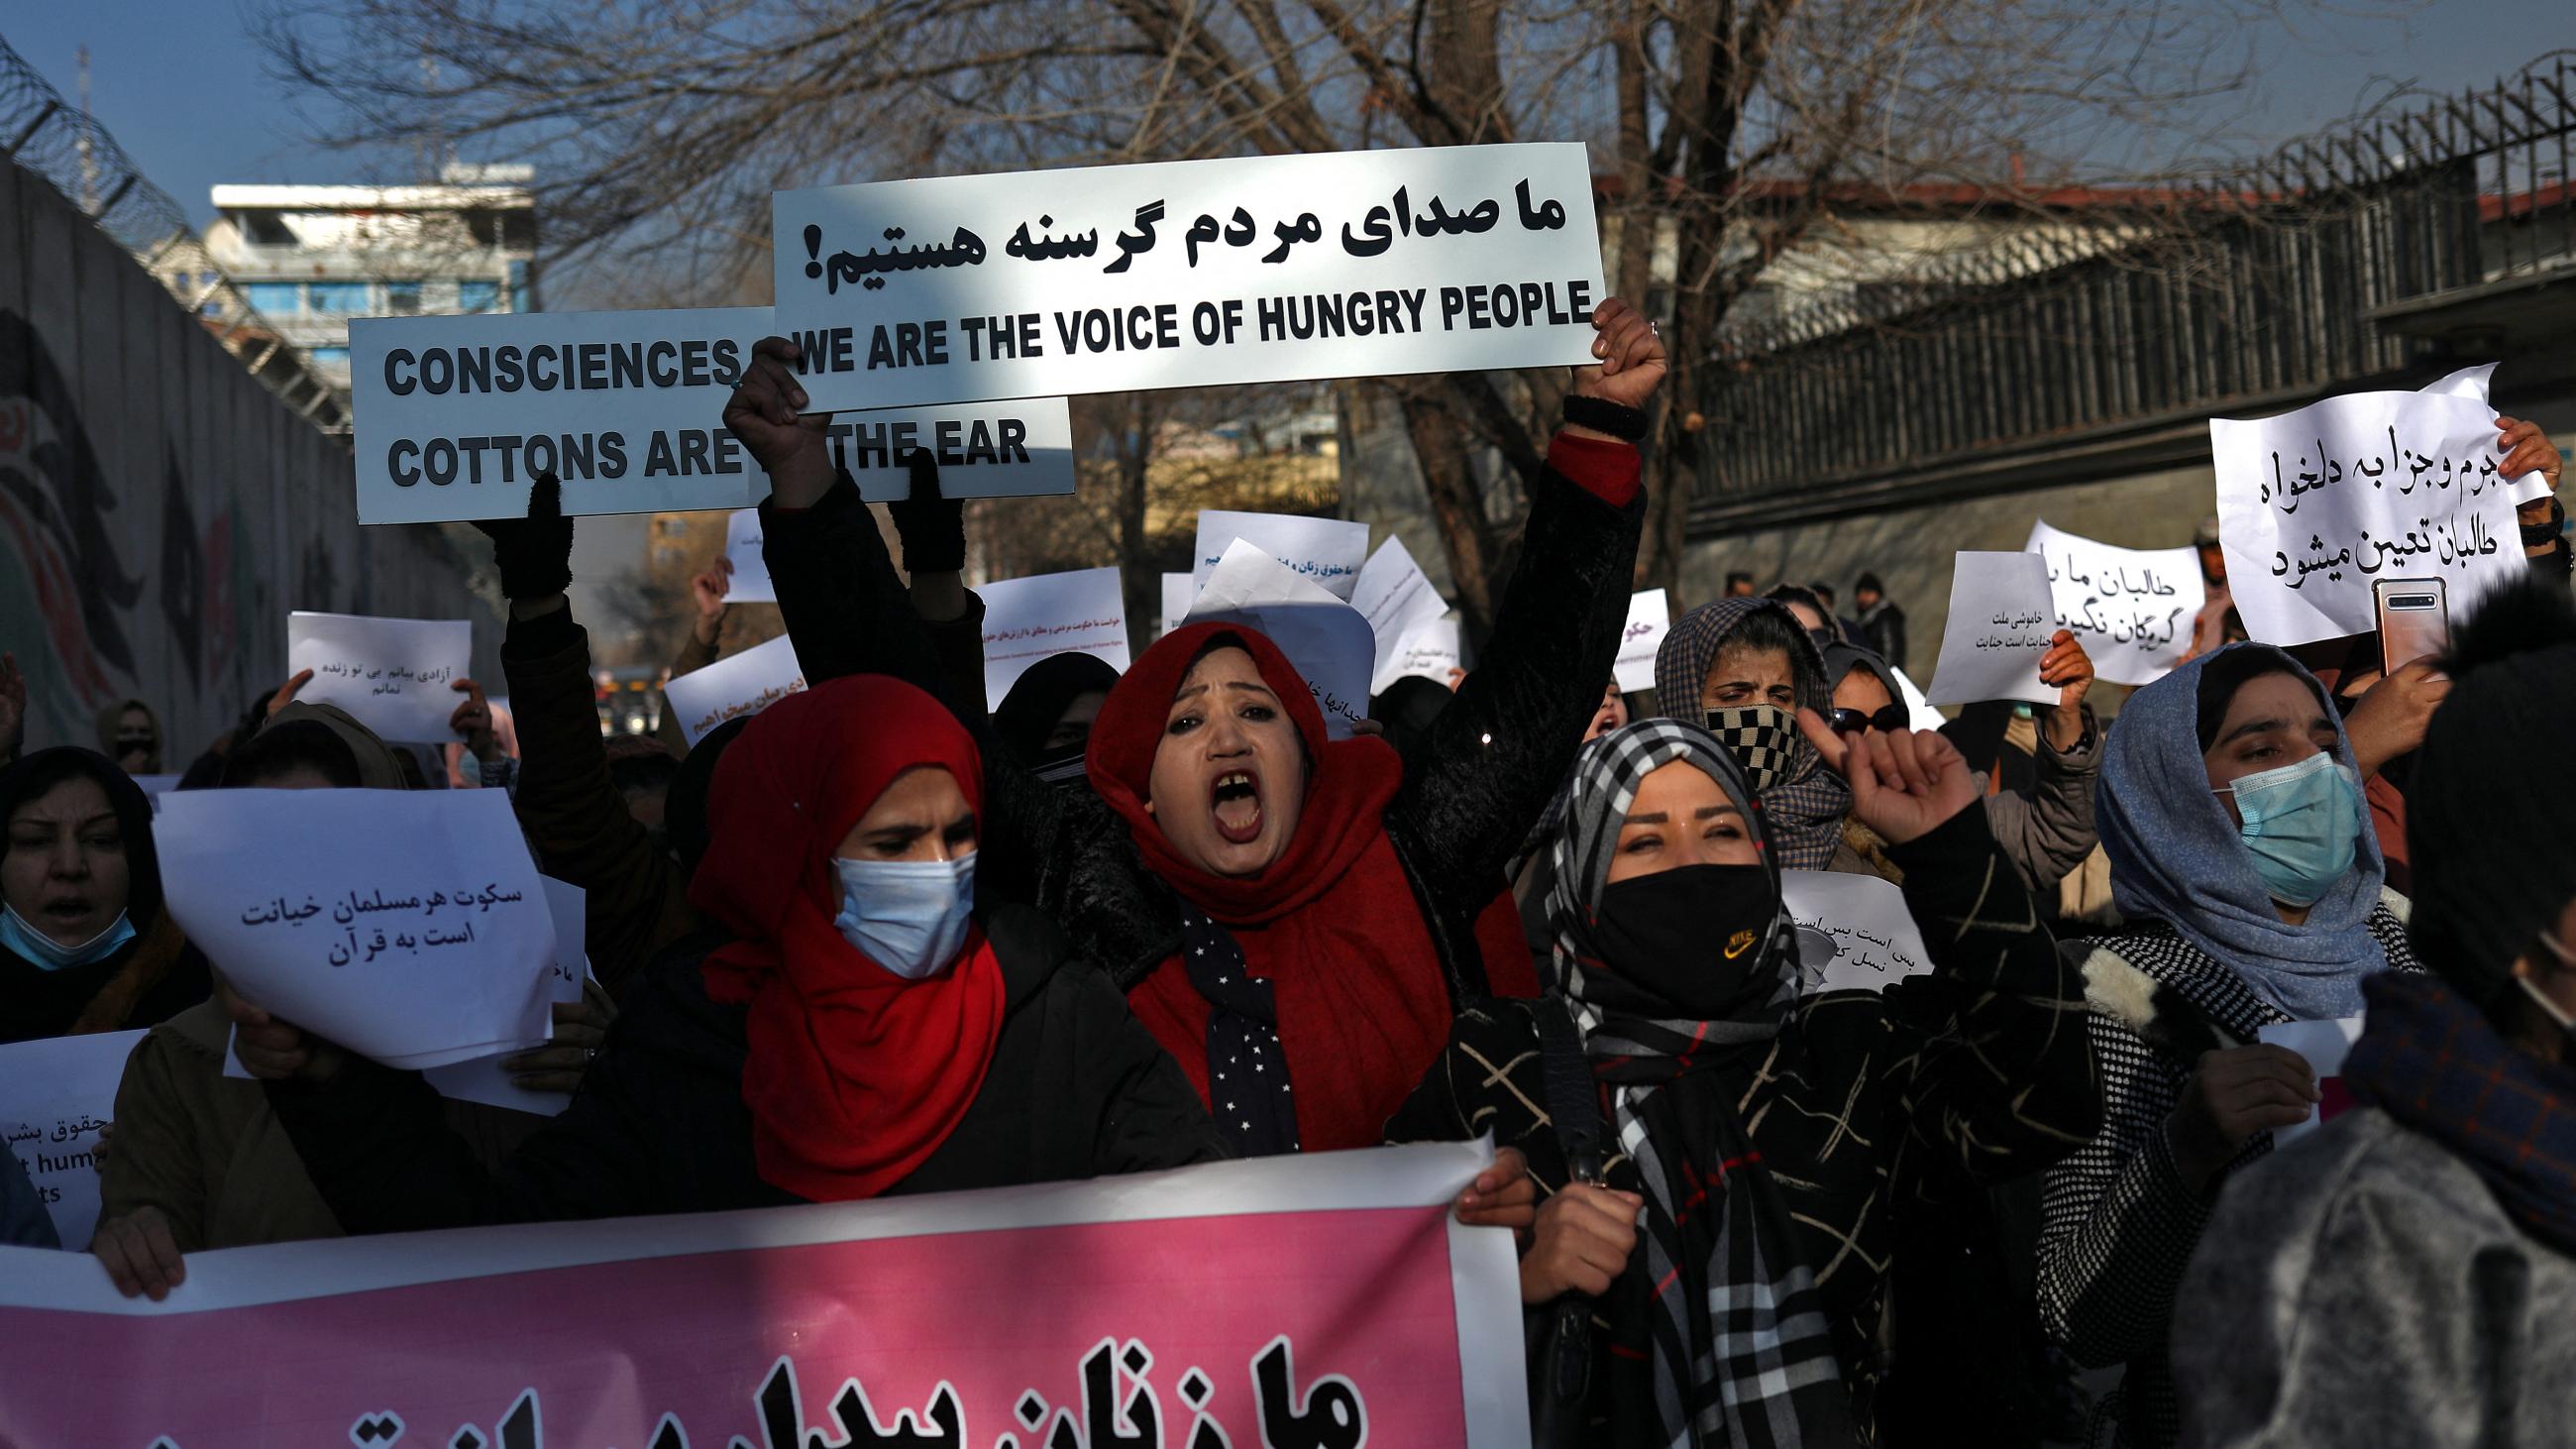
<point>2414,620</point>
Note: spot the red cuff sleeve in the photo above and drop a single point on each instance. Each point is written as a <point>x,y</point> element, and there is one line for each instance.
<point>1608,471</point>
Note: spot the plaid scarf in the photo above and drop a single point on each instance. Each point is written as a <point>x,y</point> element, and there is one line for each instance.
<point>1807,806</point>
<point>2435,1063</point>
<point>1742,1351</point>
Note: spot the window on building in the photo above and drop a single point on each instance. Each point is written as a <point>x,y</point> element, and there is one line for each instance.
<point>477,296</point>
<point>276,296</point>
<point>338,299</point>
<point>329,356</point>
<point>402,299</point>
<point>521,298</point>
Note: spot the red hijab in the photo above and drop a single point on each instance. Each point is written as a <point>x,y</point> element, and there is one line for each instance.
<point>1332,924</point>
<point>855,1075</point>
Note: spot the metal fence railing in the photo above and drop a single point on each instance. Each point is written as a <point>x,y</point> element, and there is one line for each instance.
<point>69,148</point>
<point>2254,285</point>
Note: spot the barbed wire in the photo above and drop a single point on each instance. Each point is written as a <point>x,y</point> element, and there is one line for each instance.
<point>56,140</point>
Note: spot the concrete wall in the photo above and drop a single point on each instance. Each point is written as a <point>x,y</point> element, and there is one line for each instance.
<point>160,510</point>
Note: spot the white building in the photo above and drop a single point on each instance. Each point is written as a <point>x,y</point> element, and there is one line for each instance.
<point>309,258</point>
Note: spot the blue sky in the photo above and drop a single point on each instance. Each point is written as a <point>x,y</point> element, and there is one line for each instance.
<point>184,90</point>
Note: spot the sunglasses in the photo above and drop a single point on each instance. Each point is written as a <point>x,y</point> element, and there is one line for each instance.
<point>1852,721</point>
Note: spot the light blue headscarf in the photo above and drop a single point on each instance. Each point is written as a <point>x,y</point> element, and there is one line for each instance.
<point>2176,857</point>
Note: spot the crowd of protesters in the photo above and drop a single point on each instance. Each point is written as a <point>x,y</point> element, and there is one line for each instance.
<point>889,936</point>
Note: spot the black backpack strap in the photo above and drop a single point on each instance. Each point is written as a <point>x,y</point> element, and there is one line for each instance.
<point>1573,1103</point>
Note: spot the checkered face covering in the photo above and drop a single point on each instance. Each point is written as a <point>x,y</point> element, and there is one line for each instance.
<point>1743,1354</point>
<point>1764,739</point>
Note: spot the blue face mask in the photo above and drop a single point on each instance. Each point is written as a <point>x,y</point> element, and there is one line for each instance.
<point>50,955</point>
<point>909,916</point>
<point>2302,825</point>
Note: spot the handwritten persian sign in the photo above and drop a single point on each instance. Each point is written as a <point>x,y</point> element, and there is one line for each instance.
<point>2315,504</point>
<point>2002,615</point>
<point>1190,273</point>
<point>2130,608</point>
<point>456,416</point>
<point>1650,617</point>
<point>1178,590</point>
<point>55,1095</point>
<point>1329,552</point>
<point>737,684</point>
<point>2325,1044</point>
<point>395,676</point>
<point>1025,620</point>
<point>1429,650</point>
<point>1854,932</point>
<point>405,925</point>
<point>1335,1303</point>
<point>1328,640</point>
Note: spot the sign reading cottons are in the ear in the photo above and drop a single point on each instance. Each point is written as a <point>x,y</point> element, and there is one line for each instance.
<point>457,416</point>
<point>1190,273</point>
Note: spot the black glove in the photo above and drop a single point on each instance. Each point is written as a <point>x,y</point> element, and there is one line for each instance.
<point>933,529</point>
<point>534,553</point>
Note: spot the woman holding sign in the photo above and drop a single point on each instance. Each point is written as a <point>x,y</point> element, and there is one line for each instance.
<point>2407,1275</point>
<point>1284,911</point>
<point>1766,1141</point>
<point>2241,854</point>
<point>865,1031</point>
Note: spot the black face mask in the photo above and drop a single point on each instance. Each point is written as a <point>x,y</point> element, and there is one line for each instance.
<point>1687,942</point>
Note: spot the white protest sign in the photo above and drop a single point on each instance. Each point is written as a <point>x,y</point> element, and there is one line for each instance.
<point>1178,590</point>
<point>1327,640</point>
<point>1854,932</point>
<point>737,684</point>
<point>1650,617</point>
<point>2324,1044</point>
<point>456,416</point>
<point>1394,594</point>
<point>486,1080</point>
<point>2315,504</point>
<point>2470,382</point>
<point>2000,613</point>
<point>1190,273</point>
<point>2130,608</point>
<point>1329,551</point>
<point>1919,711</point>
<point>749,583</point>
<point>405,925</point>
<point>55,1094</point>
<point>395,676</point>
<point>1025,620</point>
<point>1429,650</point>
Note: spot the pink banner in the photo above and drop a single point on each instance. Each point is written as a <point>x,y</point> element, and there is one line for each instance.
<point>1312,1303</point>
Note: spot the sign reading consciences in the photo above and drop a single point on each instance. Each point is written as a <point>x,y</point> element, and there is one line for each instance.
<point>1189,273</point>
<point>1334,1302</point>
<point>456,416</point>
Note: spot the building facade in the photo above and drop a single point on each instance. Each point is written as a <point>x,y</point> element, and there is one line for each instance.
<point>309,258</point>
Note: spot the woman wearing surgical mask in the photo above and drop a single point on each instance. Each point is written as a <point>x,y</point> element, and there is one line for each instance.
<point>866,1032</point>
<point>1724,1158</point>
<point>84,945</point>
<point>2241,855</point>
<point>2407,1274</point>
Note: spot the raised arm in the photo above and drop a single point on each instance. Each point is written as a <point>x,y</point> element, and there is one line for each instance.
<point>1497,753</point>
<point>1999,1077</point>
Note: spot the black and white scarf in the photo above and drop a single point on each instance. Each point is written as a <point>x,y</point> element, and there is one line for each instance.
<point>1743,1353</point>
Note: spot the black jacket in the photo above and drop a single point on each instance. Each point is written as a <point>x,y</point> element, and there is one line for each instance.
<point>1492,761</point>
<point>1077,1089</point>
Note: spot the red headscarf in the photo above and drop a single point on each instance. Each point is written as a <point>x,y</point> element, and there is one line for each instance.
<point>1332,923</point>
<point>855,1075</point>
